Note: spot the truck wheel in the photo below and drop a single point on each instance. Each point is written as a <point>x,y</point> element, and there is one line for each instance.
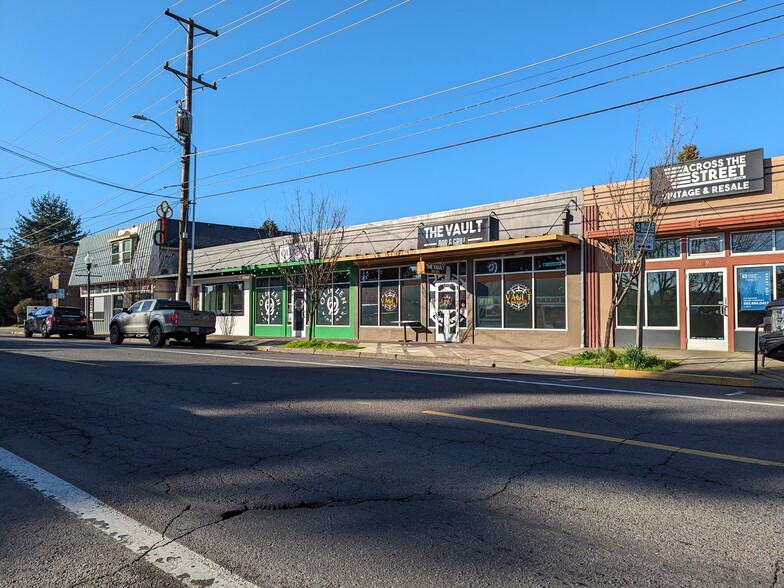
<point>156,336</point>
<point>199,340</point>
<point>45,331</point>
<point>115,336</point>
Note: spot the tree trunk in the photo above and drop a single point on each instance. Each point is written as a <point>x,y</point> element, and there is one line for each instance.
<point>609,325</point>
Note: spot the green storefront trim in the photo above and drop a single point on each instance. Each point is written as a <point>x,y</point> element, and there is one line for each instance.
<point>284,330</point>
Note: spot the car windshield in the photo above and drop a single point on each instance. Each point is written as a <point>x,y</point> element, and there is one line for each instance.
<point>67,312</point>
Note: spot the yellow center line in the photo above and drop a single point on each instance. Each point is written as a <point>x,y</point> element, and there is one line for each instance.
<point>620,440</point>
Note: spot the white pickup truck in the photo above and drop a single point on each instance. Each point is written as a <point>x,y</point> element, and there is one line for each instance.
<point>159,320</point>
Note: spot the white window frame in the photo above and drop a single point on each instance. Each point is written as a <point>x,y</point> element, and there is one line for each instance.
<point>533,273</point>
<point>121,253</point>
<point>735,288</point>
<point>691,255</point>
<point>677,299</point>
<point>747,253</point>
<point>399,281</point>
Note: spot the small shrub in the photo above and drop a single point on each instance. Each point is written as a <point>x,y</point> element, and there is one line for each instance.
<point>636,359</point>
<point>631,358</point>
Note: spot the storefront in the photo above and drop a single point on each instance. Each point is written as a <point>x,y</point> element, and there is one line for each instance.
<point>506,273</point>
<point>718,258</point>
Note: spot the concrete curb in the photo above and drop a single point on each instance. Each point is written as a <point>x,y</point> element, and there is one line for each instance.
<point>739,382</point>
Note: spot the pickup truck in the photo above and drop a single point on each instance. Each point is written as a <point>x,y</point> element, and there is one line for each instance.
<point>159,320</point>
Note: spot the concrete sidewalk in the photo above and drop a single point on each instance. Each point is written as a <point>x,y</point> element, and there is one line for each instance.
<point>704,367</point>
<point>698,367</point>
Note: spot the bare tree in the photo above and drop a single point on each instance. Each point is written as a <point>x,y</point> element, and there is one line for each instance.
<point>310,256</point>
<point>629,198</point>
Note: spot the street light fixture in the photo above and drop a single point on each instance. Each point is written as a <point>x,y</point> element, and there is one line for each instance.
<point>184,203</point>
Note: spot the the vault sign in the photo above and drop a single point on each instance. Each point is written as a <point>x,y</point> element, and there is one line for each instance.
<point>460,232</point>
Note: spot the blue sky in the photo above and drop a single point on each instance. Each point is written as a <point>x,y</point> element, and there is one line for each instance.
<point>106,58</point>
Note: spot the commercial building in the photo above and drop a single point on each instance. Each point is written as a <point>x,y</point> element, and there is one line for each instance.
<point>503,273</point>
<point>137,262</point>
<point>718,258</point>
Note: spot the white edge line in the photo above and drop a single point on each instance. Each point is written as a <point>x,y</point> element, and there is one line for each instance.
<point>178,561</point>
<point>467,377</point>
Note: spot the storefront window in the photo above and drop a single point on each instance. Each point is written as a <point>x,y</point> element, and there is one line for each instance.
<point>661,291</point>
<point>757,241</point>
<point>666,248</point>
<point>626,312</point>
<point>518,302</point>
<point>661,297</point>
<point>521,292</point>
<point>333,307</point>
<point>488,301</point>
<point>754,287</point>
<point>389,295</point>
<point>224,299</point>
<point>706,245</point>
<point>550,300</point>
<point>752,242</point>
<point>269,296</point>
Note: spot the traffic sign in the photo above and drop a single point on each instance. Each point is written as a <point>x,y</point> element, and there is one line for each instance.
<point>644,236</point>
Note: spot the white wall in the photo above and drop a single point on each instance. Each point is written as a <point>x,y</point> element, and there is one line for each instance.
<point>229,325</point>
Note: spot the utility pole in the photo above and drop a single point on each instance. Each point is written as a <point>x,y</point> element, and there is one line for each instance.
<point>184,128</point>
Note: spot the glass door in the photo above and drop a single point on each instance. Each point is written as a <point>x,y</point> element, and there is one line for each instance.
<point>707,309</point>
<point>297,313</point>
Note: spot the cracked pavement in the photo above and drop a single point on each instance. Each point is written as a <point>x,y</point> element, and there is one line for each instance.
<point>310,473</point>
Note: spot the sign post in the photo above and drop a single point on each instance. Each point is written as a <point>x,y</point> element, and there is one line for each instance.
<point>644,241</point>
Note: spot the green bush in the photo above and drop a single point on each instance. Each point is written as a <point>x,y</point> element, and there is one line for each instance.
<point>319,344</point>
<point>631,358</point>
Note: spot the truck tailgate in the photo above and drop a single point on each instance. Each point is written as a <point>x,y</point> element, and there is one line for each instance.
<point>195,318</point>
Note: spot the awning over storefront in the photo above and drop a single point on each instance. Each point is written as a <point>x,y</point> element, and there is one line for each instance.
<point>506,247</point>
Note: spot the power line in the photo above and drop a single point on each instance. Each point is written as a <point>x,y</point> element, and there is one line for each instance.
<point>290,51</point>
<point>80,164</point>
<point>499,135</point>
<point>475,105</point>
<point>90,114</point>
<point>302,30</point>
<point>70,173</point>
<point>472,83</point>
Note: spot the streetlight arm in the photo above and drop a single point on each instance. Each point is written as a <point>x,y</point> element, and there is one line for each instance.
<point>160,126</point>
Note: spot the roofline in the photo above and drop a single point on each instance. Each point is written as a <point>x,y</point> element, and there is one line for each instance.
<point>523,244</point>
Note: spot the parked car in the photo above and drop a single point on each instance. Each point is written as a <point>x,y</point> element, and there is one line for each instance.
<point>161,320</point>
<point>771,341</point>
<point>57,320</point>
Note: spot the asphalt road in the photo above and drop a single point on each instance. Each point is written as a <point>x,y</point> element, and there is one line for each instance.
<point>131,466</point>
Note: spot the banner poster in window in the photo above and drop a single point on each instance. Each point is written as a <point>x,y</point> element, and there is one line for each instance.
<point>518,297</point>
<point>269,306</point>
<point>755,287</point>
<point>389,300</point>
<point>333,305</point>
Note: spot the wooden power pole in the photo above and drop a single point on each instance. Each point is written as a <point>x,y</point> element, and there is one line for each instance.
<point>185,132</point>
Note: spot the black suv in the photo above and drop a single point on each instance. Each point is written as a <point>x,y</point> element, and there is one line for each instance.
<point>60,320</point>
